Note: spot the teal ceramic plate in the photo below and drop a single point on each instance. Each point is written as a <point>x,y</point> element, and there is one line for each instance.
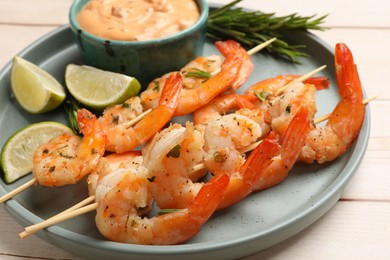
<point>260,221</point>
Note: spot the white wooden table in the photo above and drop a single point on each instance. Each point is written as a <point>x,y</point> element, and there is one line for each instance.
<point>358,227</point>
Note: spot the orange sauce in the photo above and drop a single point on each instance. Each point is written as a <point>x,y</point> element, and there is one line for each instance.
<point>137,20</point>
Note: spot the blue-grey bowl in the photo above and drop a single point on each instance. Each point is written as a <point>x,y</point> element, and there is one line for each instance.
<point>144,60</point>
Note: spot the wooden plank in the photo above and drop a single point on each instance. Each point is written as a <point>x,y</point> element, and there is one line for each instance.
<point>42,12</point>
<point>21,12</point>
<point>12,246</point>
<point>351,230</point>
<point>340,14</point>
<point>20,37</point>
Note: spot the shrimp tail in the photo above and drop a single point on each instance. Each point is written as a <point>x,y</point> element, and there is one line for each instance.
<point>295,136</point>
<point>155,120</point>
<point>260,158</point>
<point>171,92</point>
<point>292,143</point>
<point>347,118</point>
<point>93,145</point>
<point>208,198</point>
<point>319,82</point>
<point>229,46</point>
<point>251,171</point>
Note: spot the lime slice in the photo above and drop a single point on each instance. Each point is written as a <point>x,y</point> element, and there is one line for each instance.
<point>17,153</point>
<point>97,88</point>
<point>36,90</point>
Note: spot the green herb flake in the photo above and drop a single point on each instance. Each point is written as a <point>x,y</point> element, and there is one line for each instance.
<point>219,158</point>
<point>261,96</point>
<point>174,152</point>
<point>288,109</point>
<point>167,211</point>
<point>151,179</point>
<point>156,86</point>
<point>197,73</point>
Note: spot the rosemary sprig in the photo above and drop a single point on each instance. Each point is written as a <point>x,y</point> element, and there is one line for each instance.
<point>251,28</point>
<point>71,107</point>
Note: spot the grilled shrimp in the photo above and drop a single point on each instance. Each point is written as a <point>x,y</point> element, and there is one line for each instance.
<point>66,159</point>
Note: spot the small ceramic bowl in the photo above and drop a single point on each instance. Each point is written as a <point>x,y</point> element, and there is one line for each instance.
<point>144,60</point>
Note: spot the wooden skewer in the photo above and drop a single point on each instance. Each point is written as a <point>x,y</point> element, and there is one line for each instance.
<point>138,118</point>
<point>251,52</point>
<point>56,219</point>
<point>301,79</point>
<point>18,190</point>
<point>325,117</point>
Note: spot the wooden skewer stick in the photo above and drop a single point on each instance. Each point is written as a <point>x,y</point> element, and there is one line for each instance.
<point>57,219</point>
<point>138,118</point>
<point>301,79</point>
<point>325,117</point>
<point>251,52</point>
<point>18,190</point>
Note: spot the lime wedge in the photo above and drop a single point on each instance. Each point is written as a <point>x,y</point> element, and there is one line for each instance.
<point>97,88</point>
<point>17,153</point>
<point>36,90</point>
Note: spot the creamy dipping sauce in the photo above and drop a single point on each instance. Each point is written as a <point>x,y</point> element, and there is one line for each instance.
<point>137,20</point>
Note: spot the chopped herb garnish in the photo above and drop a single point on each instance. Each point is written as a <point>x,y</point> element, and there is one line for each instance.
<point>126,105</point>
<point>262,96</point>
<point>197,73</point>
<point>151,179</point>
<point>156,86</point>
<point>288,109</point>
<point>167,211</point>
<point>174,152</point>
<point>219,158</point>
<point>65,155</point>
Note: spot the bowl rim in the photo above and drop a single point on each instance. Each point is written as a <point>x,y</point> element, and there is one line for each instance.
<point>77,6</point>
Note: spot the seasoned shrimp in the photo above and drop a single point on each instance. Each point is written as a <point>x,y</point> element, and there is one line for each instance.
<point>269,89</point>
<point>123,197</point>
<point>170,184</point>
<point>285,106</point>
<point>108,164</point>
<point>197,95</point>
<point>170,158</point>
<point>123,138</point>
<point>291,145</point>
<point>224,140</point>
<point>327,143</point>
<point>151,96</point>
<point>231,103</point>
<point>67,158</point>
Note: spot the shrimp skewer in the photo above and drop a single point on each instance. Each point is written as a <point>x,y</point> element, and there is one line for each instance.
<point>198,91</point>
<point>124,195</point>
<point>121,137</point>
<point>344,123</point>
<point>67,159</point>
